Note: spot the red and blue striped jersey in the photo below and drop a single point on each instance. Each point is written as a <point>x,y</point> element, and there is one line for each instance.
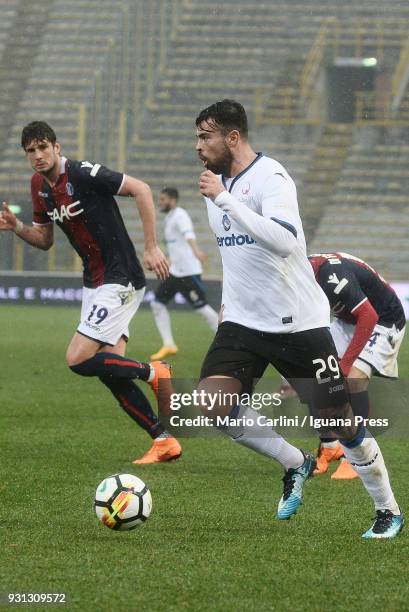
<point>82,204</point>
<point>348,282</point>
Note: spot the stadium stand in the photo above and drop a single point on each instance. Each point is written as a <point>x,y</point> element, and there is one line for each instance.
<point>10,63</point>
<point>132,77</point>
<point>368,211</point>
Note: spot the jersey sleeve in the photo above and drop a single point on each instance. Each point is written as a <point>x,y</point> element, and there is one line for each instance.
<point>101,178</point>
<point>40,216</point>
<point>341,288</point>
<point>185,225</point>
<point>279,200</point>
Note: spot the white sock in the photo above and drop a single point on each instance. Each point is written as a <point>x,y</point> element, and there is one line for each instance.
<point>165,434</point>
<point>210,316</point>
<point>162,320</point>
<point>264,440</point>
<point>333,444</point>
<point>367,461</point>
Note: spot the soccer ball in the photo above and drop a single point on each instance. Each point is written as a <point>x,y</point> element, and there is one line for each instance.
<point>122,501</point>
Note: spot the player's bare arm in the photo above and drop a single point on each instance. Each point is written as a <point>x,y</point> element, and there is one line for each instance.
<point>39,236</point>
<point>197,251</point>
<point>153,258</point>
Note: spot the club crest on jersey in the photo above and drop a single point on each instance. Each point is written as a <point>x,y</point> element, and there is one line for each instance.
<point>245,190</point>
<point>226,222</point>
<point>69,189</point>
<point>65,212</point>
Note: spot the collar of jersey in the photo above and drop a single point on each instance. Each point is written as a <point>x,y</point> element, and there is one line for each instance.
<point>236,178</point>
<point>63,161</point>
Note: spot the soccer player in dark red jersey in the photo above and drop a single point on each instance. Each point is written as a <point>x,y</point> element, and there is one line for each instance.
<point>368,328</point>
<point>79,197</point>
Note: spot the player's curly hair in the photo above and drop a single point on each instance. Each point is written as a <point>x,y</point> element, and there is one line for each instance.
<point>227,114</point>
<point>37,130</point>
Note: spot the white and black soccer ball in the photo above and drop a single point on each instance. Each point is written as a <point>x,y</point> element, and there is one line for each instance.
<point>122,501</point>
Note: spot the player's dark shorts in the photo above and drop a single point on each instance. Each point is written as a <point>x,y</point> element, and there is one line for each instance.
<point>191,287</point>
<point>307,359</point>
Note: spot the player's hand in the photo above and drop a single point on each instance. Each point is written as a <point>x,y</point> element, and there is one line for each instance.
<point>210,185</point>
<point>8,219</point>
<point>155,261</point>
<point>201,255</point>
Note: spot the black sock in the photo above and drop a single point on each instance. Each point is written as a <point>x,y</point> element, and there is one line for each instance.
<point>109,364</point>
<point>360,404</point>
<point>135,403</point>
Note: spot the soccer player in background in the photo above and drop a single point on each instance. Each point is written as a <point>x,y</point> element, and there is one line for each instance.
<point>368,329</point>
<point>186,260</point>
<point>79,197</point>
<point>274,312</point>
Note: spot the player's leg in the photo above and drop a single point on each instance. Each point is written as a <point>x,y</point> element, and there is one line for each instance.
<point>329,399</point>
<point>130,397</point>
<point>379,356</point>
<point>165,447</point>
<point>194,291</point>
<point>330,450</point>
<point>228,372</point>
<point>105,315</point>
<point>358,382</point>
<point>163,294</point>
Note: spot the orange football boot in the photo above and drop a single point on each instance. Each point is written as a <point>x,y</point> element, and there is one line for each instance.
<point>164,351</point>
<point>162,386</point>
<point>325,456</point>
<point>165,449</point>
<point>344,471</point>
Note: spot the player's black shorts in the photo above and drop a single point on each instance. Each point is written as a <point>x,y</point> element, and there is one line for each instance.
<point>307,359</point>
<point>191,287</point>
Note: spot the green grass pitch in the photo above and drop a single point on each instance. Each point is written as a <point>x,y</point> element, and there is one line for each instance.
<point>212,542</point>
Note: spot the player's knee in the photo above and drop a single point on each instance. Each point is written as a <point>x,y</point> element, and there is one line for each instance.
<point>218,395</point>
<point>357,380</point>
<point>84,368</point>
<point>74,359</point>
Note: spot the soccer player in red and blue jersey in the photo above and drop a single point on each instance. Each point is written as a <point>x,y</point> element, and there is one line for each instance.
<point>368,329</point>
<point>78,196</point>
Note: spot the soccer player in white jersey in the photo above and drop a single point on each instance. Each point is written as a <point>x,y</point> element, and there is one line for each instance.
<point>186,260</point>
<point>274,312</point>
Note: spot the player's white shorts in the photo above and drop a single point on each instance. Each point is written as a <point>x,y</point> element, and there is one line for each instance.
<point>107,310</point>
<point>380,352</point>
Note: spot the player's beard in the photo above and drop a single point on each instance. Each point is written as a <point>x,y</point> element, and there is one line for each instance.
<point>223,164</point>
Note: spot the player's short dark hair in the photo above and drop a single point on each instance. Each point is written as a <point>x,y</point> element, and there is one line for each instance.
<point>227,114</point>
<point>172,192</point>
<point>37,130</point>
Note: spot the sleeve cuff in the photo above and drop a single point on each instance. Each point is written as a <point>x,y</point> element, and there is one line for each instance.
<point>225,199</point>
